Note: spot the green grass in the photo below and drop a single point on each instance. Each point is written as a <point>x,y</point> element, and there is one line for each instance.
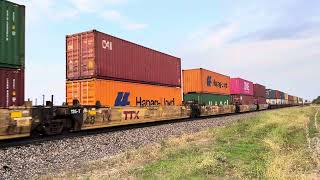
<point>271,145</point>
<point>311,125</point>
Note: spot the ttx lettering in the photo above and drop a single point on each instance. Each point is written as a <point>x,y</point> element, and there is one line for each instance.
<point>131,115</point>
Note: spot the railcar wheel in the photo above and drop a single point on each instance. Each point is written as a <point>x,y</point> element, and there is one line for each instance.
<point>35,134</point>
<point>237,109</point>
<point>54,128</point>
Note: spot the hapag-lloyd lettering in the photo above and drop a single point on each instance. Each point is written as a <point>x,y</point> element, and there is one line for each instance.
<point>147,102</point>
<point>212,82</point>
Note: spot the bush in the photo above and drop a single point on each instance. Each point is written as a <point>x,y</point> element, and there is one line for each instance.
<point>316,101</point>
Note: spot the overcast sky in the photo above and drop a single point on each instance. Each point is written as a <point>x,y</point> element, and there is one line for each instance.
<point>274,43</point>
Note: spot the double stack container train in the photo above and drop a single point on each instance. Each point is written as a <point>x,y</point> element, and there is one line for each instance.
<point>277,99</point>
<point>113,82</point>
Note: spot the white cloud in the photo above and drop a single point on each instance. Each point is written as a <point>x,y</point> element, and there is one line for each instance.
<point>36,9</point>
<point>262,42</point>
<point>42,10</point>
<point>136,26</point>
<point>93,5</point>
<point>215,36</point>
<point>117,17</point>
<point>284,64</point>
<point>112,15</point>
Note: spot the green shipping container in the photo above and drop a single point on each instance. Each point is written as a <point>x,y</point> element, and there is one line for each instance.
<point>12,35</point>
<point>208,99</point>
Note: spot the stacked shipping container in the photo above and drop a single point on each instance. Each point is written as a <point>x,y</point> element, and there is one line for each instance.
<point>116,72</point>
<point>259,92</point>
<point>286,98</point>
<point>206,87</point>
<point>12,87</point>
<point>273,96</point>
<point>242,92</point>
<point>290,99</point>
<point>12,54</point>
<point>117,93</point>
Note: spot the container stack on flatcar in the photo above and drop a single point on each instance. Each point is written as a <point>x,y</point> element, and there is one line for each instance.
<point>242,94</point>
<point>273,97</point>
<point>282,98</point>
<point>12,54</point>
<point>209,89</point>
<point>206,87</point>
<point>286,98</point>
<point>291,100</point>
<point>116,72</point>
<point>295,100</point>
<point>15,119</point>
<point>259,92</point>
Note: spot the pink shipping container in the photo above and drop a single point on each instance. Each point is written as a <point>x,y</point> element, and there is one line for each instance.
<point>241,86</point>
<point>94,54</point>
<point>11,87</point>
<point>259,90</point>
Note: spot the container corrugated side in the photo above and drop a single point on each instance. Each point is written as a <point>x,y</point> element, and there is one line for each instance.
<point>260,100</point>
<point>205,81</point>
<point>290,98</point>
<point>241,86</point>
<point>270,94</point>
<point>11,87</point>
<point>242,99</point>
<point>208,99</point>
<point>282,95</point>
<point>12,35</point>
<point>259,90</point>
<point>94,54</point>
<point>273,94</point>
<point>117,93</point>
<point>278,94</point>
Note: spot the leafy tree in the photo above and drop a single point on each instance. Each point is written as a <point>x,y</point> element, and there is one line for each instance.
<point>316,101</point>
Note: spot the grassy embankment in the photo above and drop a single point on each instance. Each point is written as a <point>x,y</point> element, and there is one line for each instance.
<point>276,144</point>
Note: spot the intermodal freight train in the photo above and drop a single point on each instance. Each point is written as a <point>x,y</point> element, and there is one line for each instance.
<point>113,82</point>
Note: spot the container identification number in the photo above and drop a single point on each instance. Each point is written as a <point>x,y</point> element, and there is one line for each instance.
<point>107,45</point>
<point>75,111</point>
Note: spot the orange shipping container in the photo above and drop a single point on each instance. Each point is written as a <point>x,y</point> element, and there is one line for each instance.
<point>116,93</point>
<point>205,81</point>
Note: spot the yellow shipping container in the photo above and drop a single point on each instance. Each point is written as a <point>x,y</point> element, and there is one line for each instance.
<point>116,93</point>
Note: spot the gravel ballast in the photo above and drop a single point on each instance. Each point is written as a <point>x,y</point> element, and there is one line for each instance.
<point>69,153</point>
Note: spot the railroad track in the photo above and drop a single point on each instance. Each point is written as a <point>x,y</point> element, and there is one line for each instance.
<point>4,144</point>
<point>31,159</point>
